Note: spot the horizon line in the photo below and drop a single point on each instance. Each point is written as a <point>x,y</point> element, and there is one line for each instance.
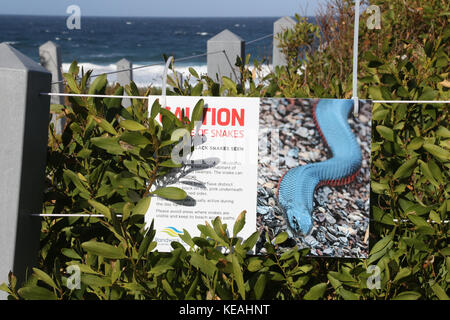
<point>164,17</point>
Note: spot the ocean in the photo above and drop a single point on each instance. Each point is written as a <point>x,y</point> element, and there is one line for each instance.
<point>102,41</point>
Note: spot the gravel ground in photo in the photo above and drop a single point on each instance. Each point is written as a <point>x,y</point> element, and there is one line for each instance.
<point>289,138</point>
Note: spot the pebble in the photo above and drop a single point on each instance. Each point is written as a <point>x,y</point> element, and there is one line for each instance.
<point>302,132</point>
<point>330,219</point>
<point>263,210</point>
<point>290,162</point>
<point>311,241</point>
<point>293,153</point>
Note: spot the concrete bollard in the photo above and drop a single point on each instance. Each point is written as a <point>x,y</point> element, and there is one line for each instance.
<point>23,151</point>
<point>124,77</point>
<point>281,25</point>
<point>229,46</point>
<point>50,56</point>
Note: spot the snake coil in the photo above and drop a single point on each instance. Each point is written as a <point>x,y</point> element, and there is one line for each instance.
<point>297,186</point>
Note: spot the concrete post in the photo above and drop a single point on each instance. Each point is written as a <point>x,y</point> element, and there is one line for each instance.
<point>229,46</point>
<point>124,77</point>
<point>50,55</point>
<point>23,150</point>
<point>281,25</point>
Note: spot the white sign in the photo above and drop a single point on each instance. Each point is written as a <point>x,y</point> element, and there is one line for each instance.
<point>221,176</point>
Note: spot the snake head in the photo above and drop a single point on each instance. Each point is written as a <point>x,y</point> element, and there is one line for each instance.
<point>300,220</point>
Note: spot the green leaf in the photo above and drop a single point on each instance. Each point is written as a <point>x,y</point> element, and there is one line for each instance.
<point>402,273</point>
<point>156,107</point>
<point>438,291</point>
<point>76,181</point>
<point>254,265</point>
<point>74,69</point>
<point>239,224</point>
<point>282,237</point>
<point>194,73</point>
<point>316,292</point>
<point>437,152</point>
<point>171,193</point>
<point>203,264</point>
<point>103,250</point>
<point>135,139</point>
<point>375,93</point>
<point>407,295</point>
<point>197,90</point>
<point>427,173</point>
<point>379,188</point>
<point>126,210</point>
<point>111,145</point>
<point>115,103</point>
<point>142,206</point>
<point>105,125</point>
<point>260,285</point>
<point>405,169</point>
<point>41,275</point>
<point>443,132</point>
<point>100,208</point>
<point>428,94</point>
<point>145,244</point>
<point>70,253</point>
<point>170,164</point>
<point>382,217</point>
<point>72,83</point>
<point>383,243</point>
<point>238,275</point>
<point>98,85</point>
<point>94,281</point>
<point>36,293</point>
<point>167,286</point>
<point>160,269</point>
<point>131,125</point>
<point>197,113</point>
<point>229,84</point>
<point>434,216</point>
<point>415,144</point>
<point>4,287</point>
<point>386,132</point>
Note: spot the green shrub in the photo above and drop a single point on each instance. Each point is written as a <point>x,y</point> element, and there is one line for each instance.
<point>100,165</point>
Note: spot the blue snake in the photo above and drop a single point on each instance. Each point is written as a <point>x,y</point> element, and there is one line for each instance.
<point>296,187</point>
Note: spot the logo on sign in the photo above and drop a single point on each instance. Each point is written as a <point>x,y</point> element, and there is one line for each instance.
<point>172,231</point>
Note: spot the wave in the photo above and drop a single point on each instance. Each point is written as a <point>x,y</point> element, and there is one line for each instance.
<point>142,77</point>
<point>151,76</point>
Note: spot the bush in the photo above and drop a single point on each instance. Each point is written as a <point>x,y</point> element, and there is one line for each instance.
<point>105,165</point>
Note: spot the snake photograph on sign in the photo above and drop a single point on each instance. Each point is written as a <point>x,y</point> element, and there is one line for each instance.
<point>313,175</point>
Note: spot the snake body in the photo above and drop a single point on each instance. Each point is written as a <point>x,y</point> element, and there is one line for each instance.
<point>297,186</point>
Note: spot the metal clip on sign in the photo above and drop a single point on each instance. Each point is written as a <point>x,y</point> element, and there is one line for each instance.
<point>164,82</point>
<point>355,61</point>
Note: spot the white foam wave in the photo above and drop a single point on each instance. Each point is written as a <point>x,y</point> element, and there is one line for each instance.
<point>142,77</point>
<point>152,76</point>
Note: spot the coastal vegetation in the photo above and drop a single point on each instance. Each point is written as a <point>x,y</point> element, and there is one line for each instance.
<point>108,158</point>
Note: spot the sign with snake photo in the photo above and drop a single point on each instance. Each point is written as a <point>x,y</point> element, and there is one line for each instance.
<point>299,166</point>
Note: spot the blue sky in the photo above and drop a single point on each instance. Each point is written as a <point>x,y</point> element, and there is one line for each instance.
<point>165,8</point>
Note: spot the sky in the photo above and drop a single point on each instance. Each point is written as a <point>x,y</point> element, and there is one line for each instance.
<point>165,8</point>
